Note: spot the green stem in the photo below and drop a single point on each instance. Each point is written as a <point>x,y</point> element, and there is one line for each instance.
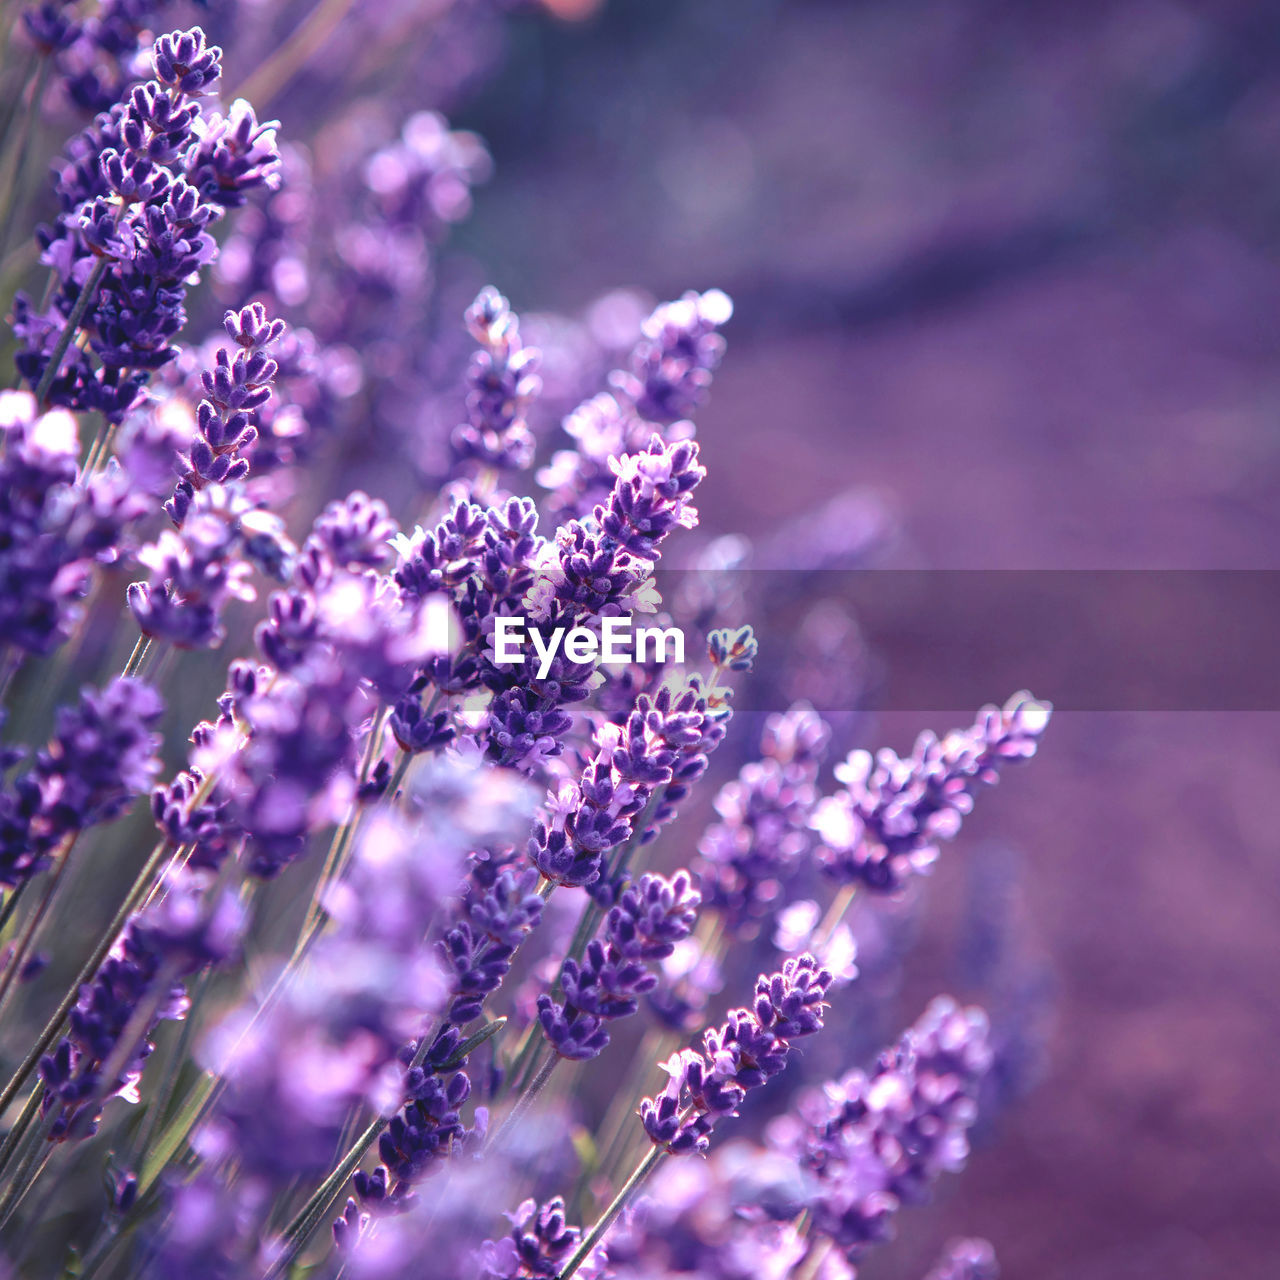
<point>23,945</point>
<point>70,329</point>
<point>14,1137</point>
<point>136,658</point>
<point>20,160</point>
<point>597,1233</point>
<point>298,1232</point>
<point>6,912</point>
<point>53,1027</point>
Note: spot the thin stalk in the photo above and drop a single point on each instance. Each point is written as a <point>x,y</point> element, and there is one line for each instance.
<point>298,1232</point>
<point>811,1264</point>
<point>138,891</point>
<point>32,1166</point>
<point>836,912</point>
<point>597,1233</point>
<point>14,173</point>
<point>11,902</point>
<point>70,329</point>
<point>14,1137</point>
<point>623,1105</point>
<point>276,72</point>
<point>137,657</point>
<point>526,1099</point>
<point>23,946</point>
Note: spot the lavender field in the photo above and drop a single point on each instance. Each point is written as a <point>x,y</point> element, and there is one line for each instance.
<point>895,360</point>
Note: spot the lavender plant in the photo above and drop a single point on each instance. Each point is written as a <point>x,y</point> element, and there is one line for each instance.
<point>406,894</point>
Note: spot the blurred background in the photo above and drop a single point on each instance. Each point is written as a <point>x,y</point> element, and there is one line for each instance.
<point>1015,270</point>
<point>1007,297</point>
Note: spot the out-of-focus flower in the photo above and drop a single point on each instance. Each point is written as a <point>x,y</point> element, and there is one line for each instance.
<point>888,821</point>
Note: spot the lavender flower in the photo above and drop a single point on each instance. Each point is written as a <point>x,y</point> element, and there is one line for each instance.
<point>679,350</point>
<point>539,1244</point>
<point>966,1260</point>
<point>192,927</point>
<point>502,382</point>
<point>749,1048</point>
<point>750,855</point>
<point>135,197</point>
<point>52,529</point>
<point>102,755</point>
<point>670,371</point>
<point>870,1143</point>
<point>645,925</point>
<point>226,419</point>
<point>893,813</point>
<point>195,572</point>
<point>296,771</point>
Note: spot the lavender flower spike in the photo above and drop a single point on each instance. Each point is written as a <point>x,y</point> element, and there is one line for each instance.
<point>539,1245</point>
<point>502,382</point>
<point>752,1046</point>
<point>966,1260</point>
<point>893,813</point>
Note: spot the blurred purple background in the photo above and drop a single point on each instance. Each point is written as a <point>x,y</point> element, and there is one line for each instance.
<point>1017,269</point>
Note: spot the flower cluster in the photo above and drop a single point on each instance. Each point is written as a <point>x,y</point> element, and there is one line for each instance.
<point>498,909</point>
<point>102,755</point>
<point>502,382</point>
<point>451,869</point>
<point>662,745</point>
<point>197,570</point>
<point>235,390</point>
<point>748,857</point>
<point>539,1244</point>
<point>93,53</point>
<point>887,822</point>
<point>193,927</point>
<point>53,525</point>
<point>666,380</point>
<point>870,1143</point>
<point>648,920</point>
<point>750,1047</point>
<point>138,193</point>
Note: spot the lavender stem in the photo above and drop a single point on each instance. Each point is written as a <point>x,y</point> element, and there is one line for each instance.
<point>597,1233</point>
<point>70,329</point>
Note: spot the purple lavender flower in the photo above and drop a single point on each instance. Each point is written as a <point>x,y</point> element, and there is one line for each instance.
<point>134,197</point>
<point>226,419</point>
<point>191,927</point>
<point>893,813</point>
<point>497,913</point>
<point>54,528</point>
<point>539,1244</point>
<point>670,371</point>
<point>728,1217</point>
<point>763,833</point>
<point>750,1047</point>
<point>296,771</point>
<point>645,925</point>
<point>679,350</point>
<point>870,1143</point>
<point>966,1260</point>
<point>102,755</point>
<point>197,570</point>
<point>502,381</point>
